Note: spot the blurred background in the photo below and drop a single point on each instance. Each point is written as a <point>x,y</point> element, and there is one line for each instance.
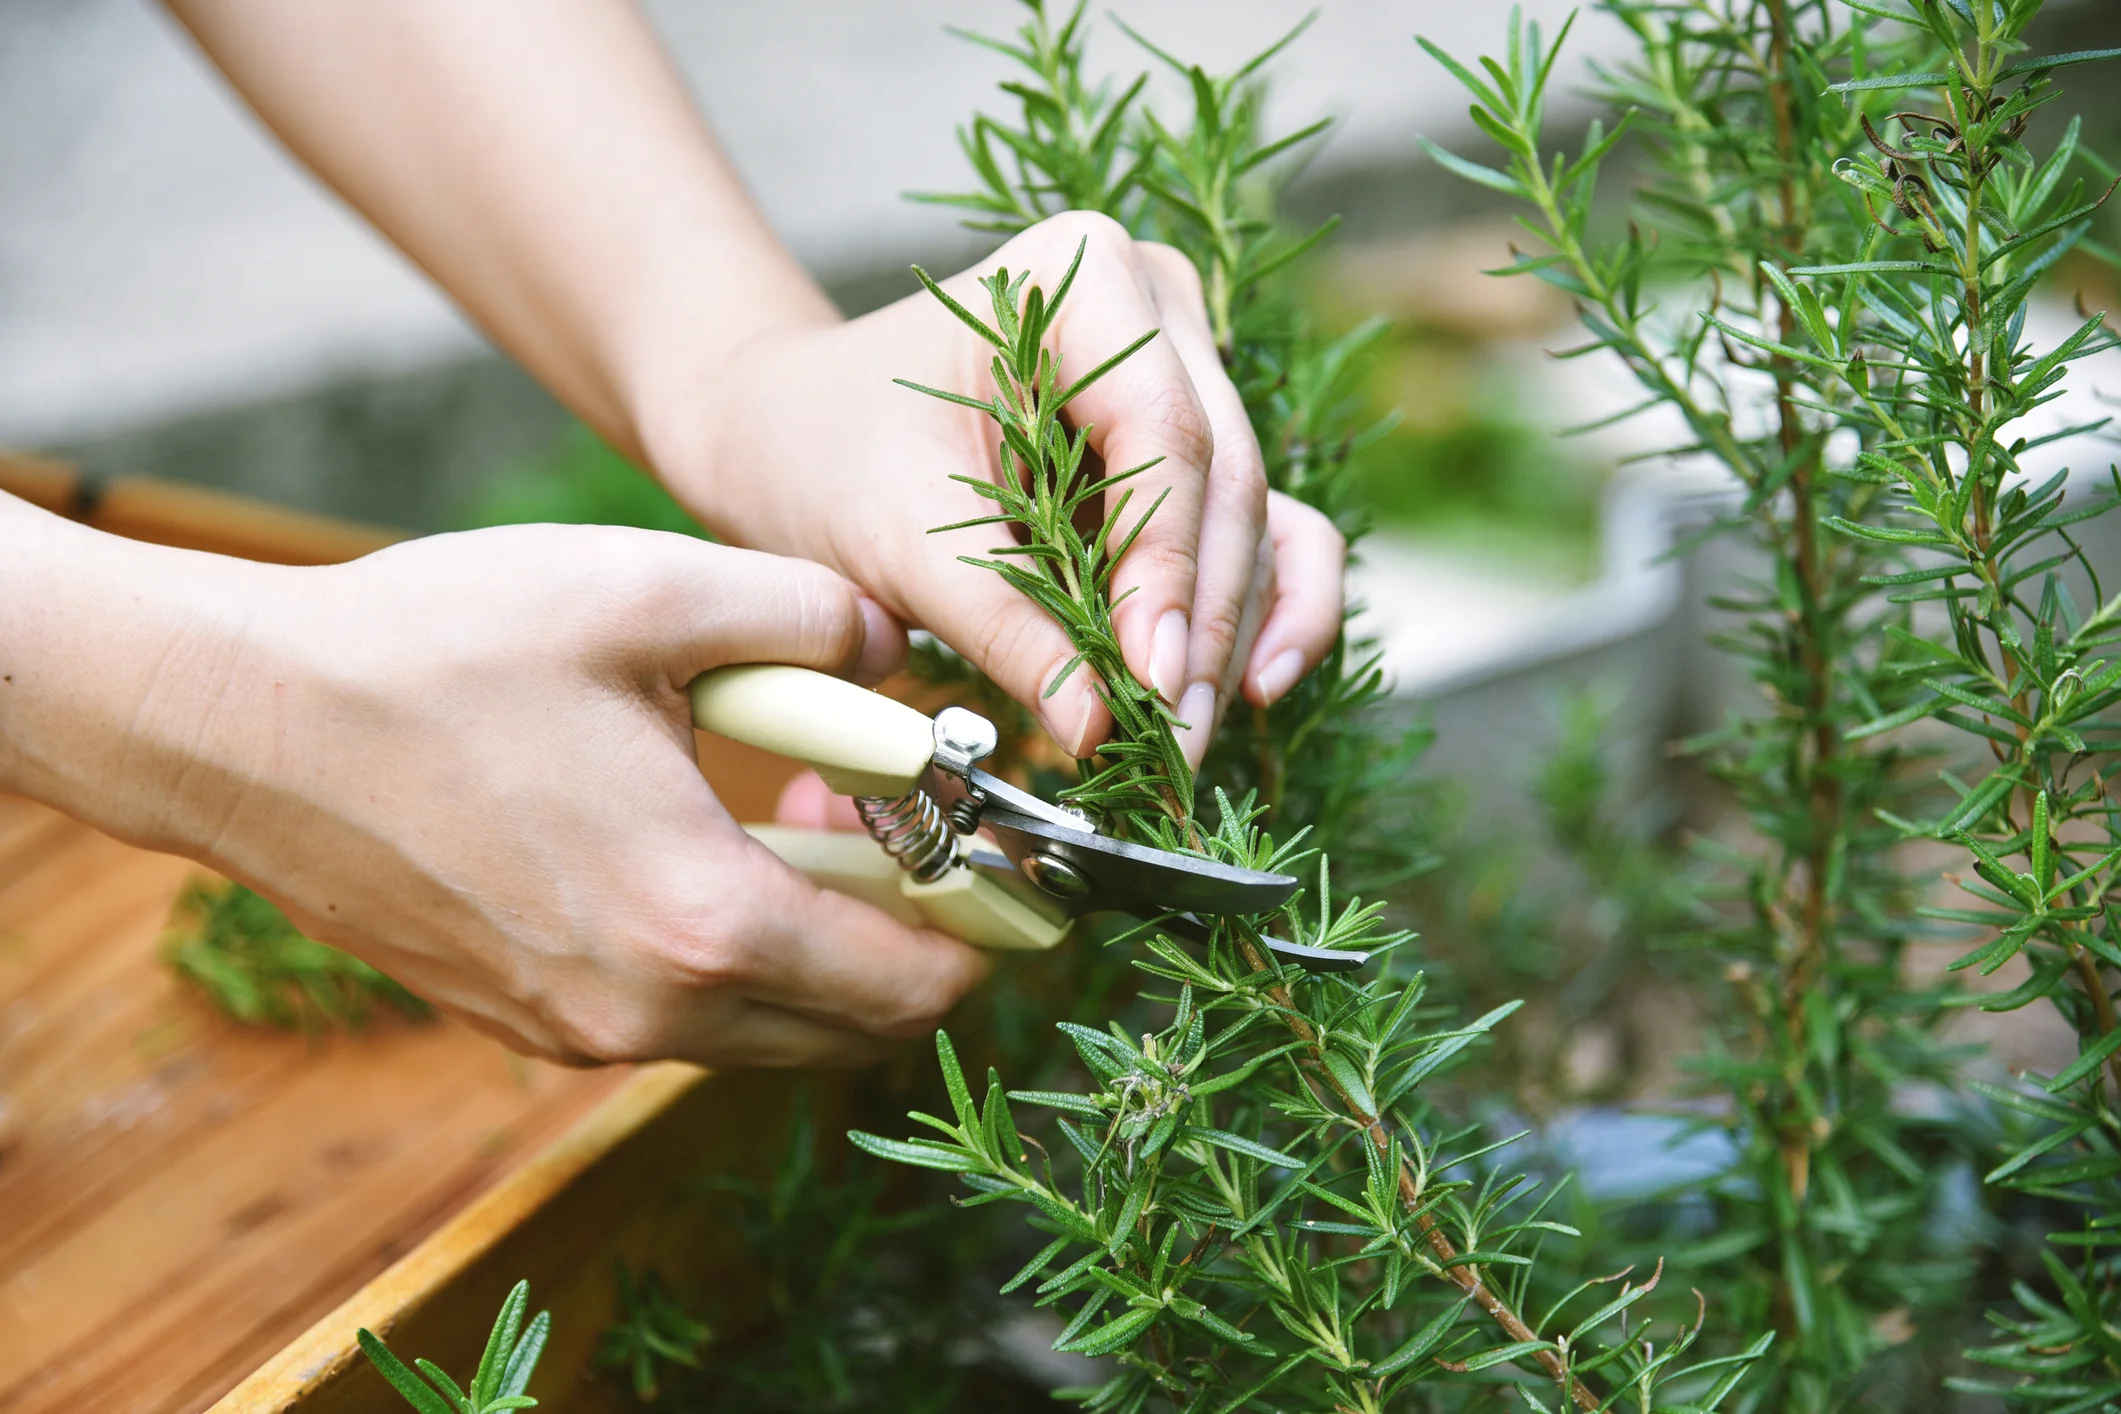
<point>178,299</point>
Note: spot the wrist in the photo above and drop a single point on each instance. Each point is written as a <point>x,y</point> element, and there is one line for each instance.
<point>118,663</point>
<point>688,395</point>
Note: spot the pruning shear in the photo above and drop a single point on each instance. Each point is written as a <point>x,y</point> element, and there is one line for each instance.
<point>954,847</point>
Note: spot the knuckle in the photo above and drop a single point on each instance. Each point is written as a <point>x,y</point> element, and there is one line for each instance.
<point>1100,230</point>
<point>619,1032</point>
<point>1243,469</point>
<point>1165,558</point>
<point>1219,627</point>
<point>1006,647</point>
<point>1174,414</point>
<point>924,1005</point>
<point>712,948</point>
<point>828,613</point>
<point>1174,267</point>
<point>621,573</point>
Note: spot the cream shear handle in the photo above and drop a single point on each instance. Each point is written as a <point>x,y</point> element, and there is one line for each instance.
<point>861,742</point>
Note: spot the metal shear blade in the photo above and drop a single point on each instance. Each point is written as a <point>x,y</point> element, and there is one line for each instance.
<point>1072,864</point>
<point>1091,872</point>
<point>1310,959</point>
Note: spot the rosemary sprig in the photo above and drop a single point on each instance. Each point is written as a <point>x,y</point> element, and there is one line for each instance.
<point>505,1367</point>
<point>1142,780</point>
<point>1070,147</point>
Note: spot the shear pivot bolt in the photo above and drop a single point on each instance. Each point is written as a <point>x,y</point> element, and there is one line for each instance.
<point>1056,876</point>
<point>963,737</point>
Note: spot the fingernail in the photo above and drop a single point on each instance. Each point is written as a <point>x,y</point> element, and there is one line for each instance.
<point>1197,711</point>
<point>1069,716</point>
<point>883,644</point>
<point>1167,654</point>
<point>1279,676</point>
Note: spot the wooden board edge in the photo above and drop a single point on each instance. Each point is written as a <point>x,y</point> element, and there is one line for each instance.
<point>200,518</point>
<point>327,1349</point>
<point>54,486</point>
<point>189,517</point>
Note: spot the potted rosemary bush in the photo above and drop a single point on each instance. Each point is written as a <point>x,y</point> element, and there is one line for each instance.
<point>1254,1188</point>
<point>1827,280</point>
<point>1256,1198</point>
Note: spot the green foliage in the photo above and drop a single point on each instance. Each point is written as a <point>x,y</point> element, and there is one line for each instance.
<point>1254,1200</point>
<point>1070,148</point>
<point>580,481</point>
<point>505,1367</point>
<point>1831,291</point>
<point>1936,362</point>
<point>243,955</point>
<point>1477,476</point>
<point>815,1237</point>
<point>653,1330</point>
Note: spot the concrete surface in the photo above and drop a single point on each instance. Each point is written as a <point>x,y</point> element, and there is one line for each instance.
<point>160,255</point>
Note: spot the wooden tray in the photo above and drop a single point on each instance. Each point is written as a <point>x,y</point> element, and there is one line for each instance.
<point>623,1185</point>
<point>181,1197</point>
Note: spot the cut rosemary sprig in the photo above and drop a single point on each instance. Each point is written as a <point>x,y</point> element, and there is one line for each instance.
<point>240,952</point>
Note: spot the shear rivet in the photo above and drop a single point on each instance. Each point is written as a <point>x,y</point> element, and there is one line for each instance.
<point>964,735</point>
<point>1056,876</point>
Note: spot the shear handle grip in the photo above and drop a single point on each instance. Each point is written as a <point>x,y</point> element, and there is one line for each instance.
<point>964,903</point>
<point>861,742</point>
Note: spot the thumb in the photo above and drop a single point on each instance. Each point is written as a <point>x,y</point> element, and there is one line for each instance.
<point>722,605</point>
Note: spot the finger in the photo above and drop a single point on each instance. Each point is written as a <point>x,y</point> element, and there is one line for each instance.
<point>1011,640</point>
<point>806,801</point>
<point>1145,412</point>
<point>1202,711</point>
<point>764,1035</point>
<point>836,960</point>
<point>1310,563</point>
<point>883,643</point>
<point>1234,508</point>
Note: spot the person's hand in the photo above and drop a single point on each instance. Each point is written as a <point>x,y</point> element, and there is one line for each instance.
<point>801,444</point>
<point>469,760</point>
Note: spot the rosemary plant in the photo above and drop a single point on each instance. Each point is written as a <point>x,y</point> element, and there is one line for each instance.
<point>1940,370</point>
<point>1255,1200</point>
<point>1208,188</point>
<point>654,1332</point>
<point>1831,293</point>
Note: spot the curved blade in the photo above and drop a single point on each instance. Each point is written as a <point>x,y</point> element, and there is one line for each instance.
<point>1310,959</point>
<point>1134,878</point>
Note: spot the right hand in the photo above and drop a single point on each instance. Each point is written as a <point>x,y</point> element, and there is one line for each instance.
<point>799,442</point>
<point>469,760</point>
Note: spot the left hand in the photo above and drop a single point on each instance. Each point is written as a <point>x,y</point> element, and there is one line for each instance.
<point>800,443</point>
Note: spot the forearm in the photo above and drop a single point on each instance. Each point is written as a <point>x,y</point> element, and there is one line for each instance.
<point>116,662</point>
<point>543,163</point>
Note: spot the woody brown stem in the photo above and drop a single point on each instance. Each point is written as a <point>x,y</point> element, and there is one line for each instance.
<point>1467,1277</point>
<point>1812,910</point>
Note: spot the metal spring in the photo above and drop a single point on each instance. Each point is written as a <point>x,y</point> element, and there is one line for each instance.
<point>913,830</point>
